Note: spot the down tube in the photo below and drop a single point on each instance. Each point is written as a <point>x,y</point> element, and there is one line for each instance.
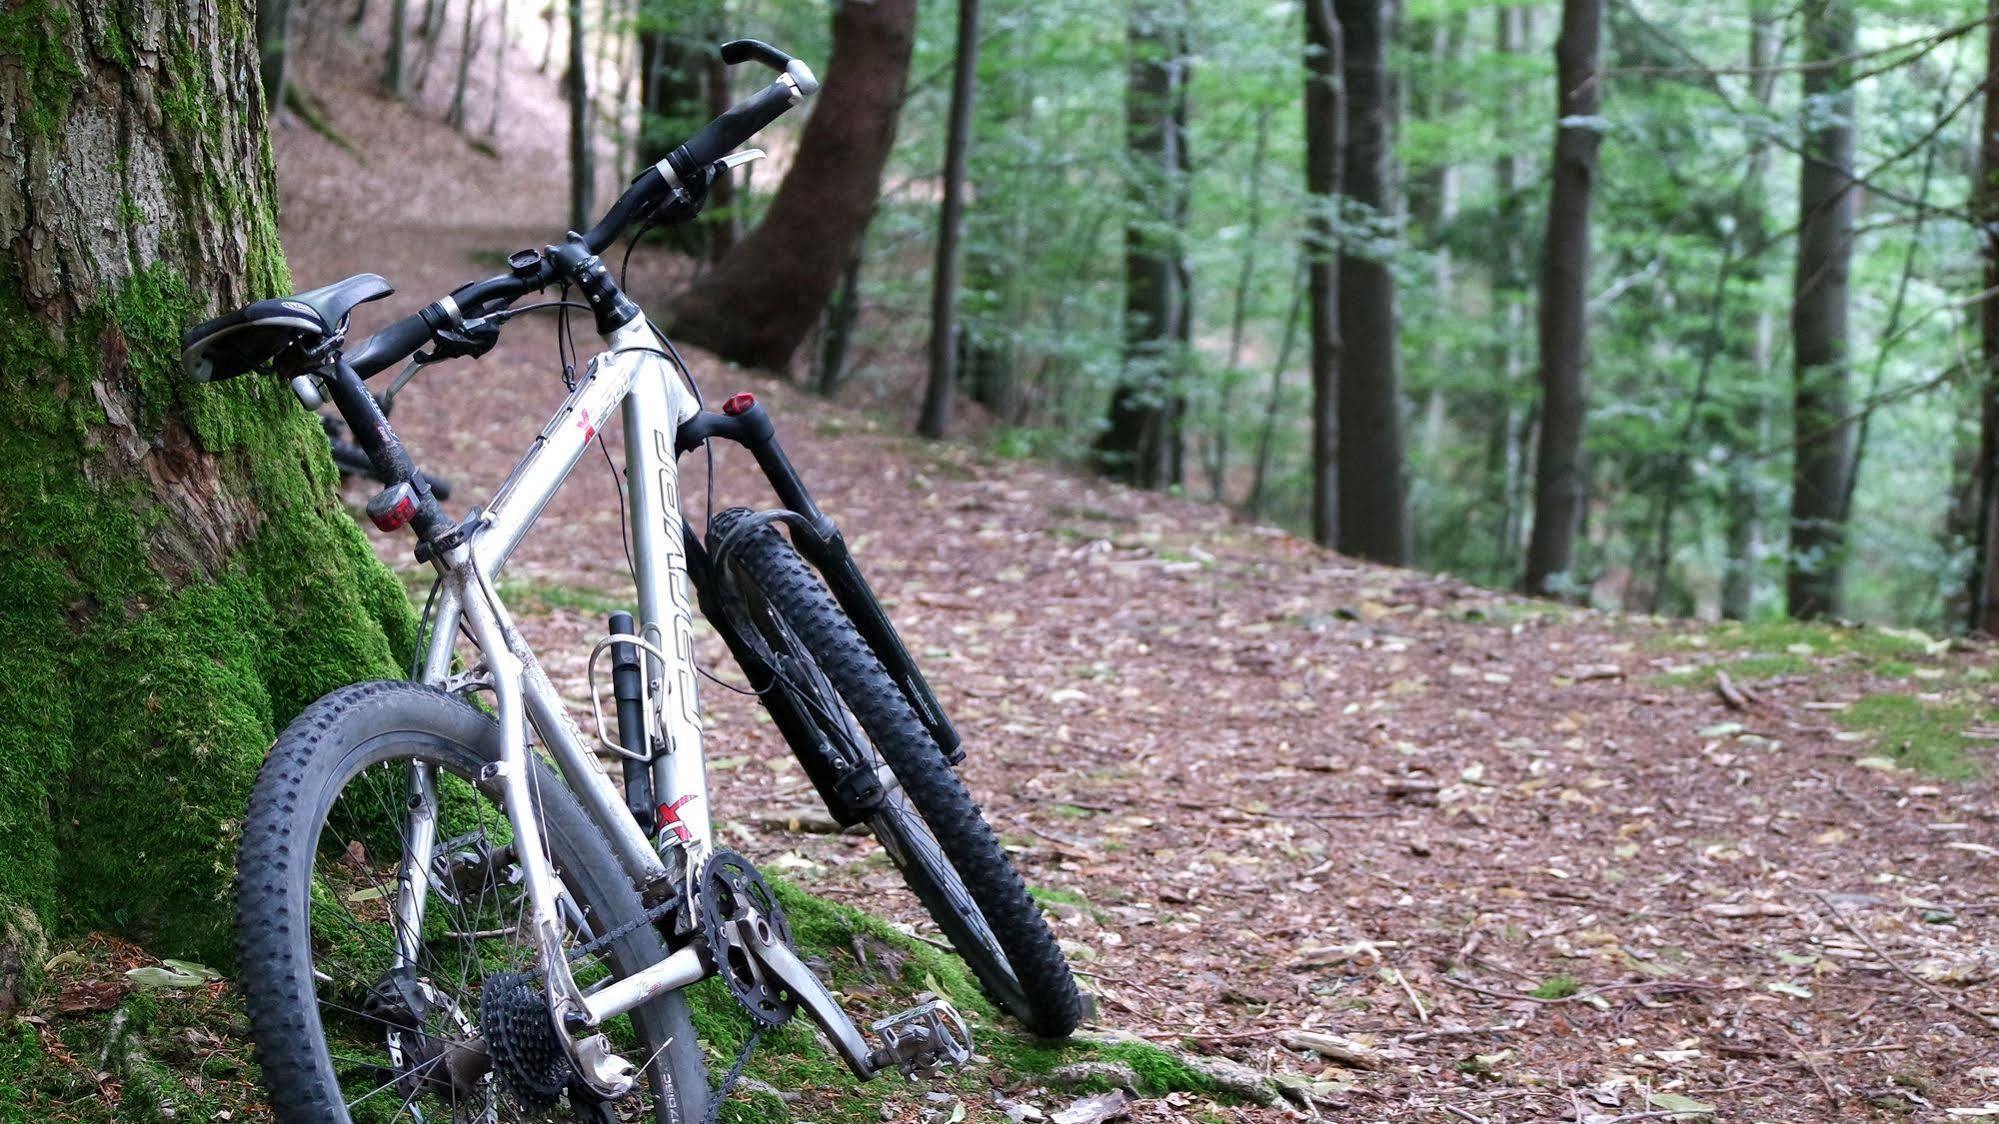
<point>653,411</point>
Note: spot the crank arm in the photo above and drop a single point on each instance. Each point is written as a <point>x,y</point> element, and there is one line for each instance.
<point>774,957</point>
<point>919,1041</point>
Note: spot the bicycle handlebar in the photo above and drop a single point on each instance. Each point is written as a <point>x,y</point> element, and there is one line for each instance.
<point>645,193</point>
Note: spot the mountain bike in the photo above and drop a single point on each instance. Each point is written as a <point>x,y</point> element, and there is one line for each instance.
<point>437,921</point>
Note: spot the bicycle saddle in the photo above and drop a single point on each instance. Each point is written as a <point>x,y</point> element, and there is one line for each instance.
<point>254,336</point>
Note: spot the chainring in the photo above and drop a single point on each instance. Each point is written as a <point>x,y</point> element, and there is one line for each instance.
<point>729,888</point>
<point>521,1039</point>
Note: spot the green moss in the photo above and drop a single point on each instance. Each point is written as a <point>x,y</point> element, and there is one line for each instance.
<point>1808,639</point>
<point>1925,736</point>
<point>138,703</point>
<point>1748,669</point>
<point>1557,987</point>
<point>36,33</point>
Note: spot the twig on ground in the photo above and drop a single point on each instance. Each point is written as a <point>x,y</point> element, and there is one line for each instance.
<point>1984,1022</point>
<point>1422,1016</point>
<point>1461,1114</point>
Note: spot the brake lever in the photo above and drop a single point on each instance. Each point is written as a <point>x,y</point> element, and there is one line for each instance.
<point>470,340</point>
<point>739,158</point>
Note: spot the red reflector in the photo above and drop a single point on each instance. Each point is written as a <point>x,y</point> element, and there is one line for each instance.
<point>739,403</point>
<point>397,515</point>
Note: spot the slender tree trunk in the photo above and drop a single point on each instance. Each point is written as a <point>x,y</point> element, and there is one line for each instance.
<point>431,30</point>
<point>761,300</point>
<point>499,71</point>
<point>1827,203</point>
<point>468,45</point>
<point>180,577</point>
<point>1503,459</point>
<point>1373,513</point>
<point>1273,401</point>
<point>1325,147</point>
<point>582,155</point>
<point>1564,343</point>
<point>1140,445</point>
<point>274,21</point>
<point>393,71</point>
<point>943,386</point>
<point>831,368</point>
<point>1985,204</point>
<point>1252,242</point>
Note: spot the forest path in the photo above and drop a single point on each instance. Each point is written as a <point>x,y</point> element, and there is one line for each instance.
<point>1267,789</point>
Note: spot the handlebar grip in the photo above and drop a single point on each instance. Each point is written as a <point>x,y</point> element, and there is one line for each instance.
<point>389,346</point>
<point>725,133</point>
<point>743,50</point>
<point>645,188</point>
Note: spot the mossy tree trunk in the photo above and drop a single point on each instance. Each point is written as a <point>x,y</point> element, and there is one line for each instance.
<point>177,577</point>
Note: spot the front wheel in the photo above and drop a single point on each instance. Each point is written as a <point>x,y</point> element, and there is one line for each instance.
<point>926,821</point>
<point>341,1032</point>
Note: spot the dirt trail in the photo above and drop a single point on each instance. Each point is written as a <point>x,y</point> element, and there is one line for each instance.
<point>1272,790</point>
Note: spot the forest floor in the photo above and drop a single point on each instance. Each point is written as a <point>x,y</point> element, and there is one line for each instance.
<point>1528,858</point>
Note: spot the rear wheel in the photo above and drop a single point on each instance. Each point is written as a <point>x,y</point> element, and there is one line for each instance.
<point>342,1035</point>
<point>926,821</point>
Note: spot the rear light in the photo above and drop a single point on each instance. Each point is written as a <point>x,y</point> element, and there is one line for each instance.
<point>393,508</point>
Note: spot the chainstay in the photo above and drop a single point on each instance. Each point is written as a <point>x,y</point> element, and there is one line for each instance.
<point>651,916</point>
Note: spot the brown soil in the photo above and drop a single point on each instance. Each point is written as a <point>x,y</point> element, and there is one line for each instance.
<point>1286,791</point>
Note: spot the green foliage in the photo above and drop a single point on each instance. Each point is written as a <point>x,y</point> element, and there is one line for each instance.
<point>1688,437</point>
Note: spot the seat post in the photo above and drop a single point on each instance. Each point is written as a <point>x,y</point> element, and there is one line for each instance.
<point>392,461</point>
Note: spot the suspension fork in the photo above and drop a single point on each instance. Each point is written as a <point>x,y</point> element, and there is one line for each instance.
<point>818,538</point>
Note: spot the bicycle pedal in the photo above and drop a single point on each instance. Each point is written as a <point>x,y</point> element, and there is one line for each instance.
<point>923,1040</point>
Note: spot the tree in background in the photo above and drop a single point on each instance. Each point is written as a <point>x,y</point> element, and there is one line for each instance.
<point>1142,442</point>
<point>1827,203</point>
<point>787,267</point>
<point>1325,147</point>
<point>395,68</point>
<point>941,387</point>
<point>582,157</point>
<point>1373,521</point>
<point>1564,337</point>
<point>274,21</point>
<point>1985,206</point>
<point>681,85</point>
<point>179,577</point>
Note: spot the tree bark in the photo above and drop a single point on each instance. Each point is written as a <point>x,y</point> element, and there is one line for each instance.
<point>582,156</point>
<point>1325,148</point>
<point>1823,434</point>
<point>943,385</point>
<point>177,576</point>
<point>1985,204</point>
<point>1373,514</point>
<point>1563,333</point>
<point>394,70</point>
<point>274,21</point>
<point>1141,443</point>
<point>761,300</point>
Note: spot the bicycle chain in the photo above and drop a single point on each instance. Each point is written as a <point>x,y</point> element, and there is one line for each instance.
<point>735,1074</point>
<point>651,916</point>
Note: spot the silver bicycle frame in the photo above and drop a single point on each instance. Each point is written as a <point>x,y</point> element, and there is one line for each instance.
<point>633,377</point>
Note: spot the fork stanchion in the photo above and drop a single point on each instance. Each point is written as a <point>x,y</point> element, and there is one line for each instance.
<point>819,540</point>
